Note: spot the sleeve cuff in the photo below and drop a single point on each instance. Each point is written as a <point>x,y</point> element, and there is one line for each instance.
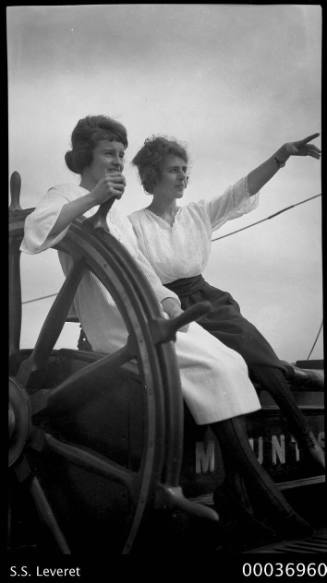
<point>163,295</point>
<point>247,201</point>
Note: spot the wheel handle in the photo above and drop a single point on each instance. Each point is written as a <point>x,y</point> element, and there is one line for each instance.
<point>164,330</point>
<point>99,219</point>
<point>15,186</point>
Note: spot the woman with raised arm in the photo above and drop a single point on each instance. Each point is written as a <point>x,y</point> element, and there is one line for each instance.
<point>177,240</point>
<point>214,378</point>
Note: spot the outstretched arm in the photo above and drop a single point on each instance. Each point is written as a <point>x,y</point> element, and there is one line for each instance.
<point>263,173</point>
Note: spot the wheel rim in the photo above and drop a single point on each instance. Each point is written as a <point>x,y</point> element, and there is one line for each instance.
<point>162,450</point>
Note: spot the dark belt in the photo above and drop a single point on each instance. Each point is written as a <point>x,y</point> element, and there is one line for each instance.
<point>186,286</point>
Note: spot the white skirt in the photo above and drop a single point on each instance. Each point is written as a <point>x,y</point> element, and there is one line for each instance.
<point>214,378</point>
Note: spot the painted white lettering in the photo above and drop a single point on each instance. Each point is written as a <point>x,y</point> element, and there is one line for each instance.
<point>278,449</point>
<point>258,451</point>
<point>321,438</point>
<point>204,457</point>
<point>296,447</point>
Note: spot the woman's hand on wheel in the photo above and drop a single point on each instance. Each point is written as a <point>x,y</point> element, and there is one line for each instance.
<point>112,185</point>
<point>172,308</point>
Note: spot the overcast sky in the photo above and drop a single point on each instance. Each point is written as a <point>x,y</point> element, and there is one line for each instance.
<point>233,83</point>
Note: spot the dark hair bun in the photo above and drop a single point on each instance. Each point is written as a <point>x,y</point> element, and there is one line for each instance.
<point>69,159</point>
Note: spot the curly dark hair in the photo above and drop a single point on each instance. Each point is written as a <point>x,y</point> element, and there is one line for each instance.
<point>150,157</point>
<point>88,132</point>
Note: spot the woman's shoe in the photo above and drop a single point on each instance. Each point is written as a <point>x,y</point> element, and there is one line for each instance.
<point>238,528</point>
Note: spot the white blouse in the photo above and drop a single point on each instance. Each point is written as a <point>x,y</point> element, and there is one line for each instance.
<point>40,222</point>
<point>182,250</point>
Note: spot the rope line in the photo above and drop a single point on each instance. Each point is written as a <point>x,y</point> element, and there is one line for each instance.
<point>316,340</point>
<point>37,299</point>
<point>267,218</point>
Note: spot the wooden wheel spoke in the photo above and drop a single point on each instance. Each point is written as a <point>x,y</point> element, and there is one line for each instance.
<point>87,383</point>
<point>15,186</point>
<point>94,463</point>
<point>39,400</point>
<point>46,514</point>
<point>24,474</point>
<point>53,324</point>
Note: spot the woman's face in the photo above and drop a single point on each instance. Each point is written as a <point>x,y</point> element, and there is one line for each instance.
<point>174,178</point>
<point>107,157</point>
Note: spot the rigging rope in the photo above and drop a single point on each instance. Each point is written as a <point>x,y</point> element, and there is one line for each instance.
<point>267,218</point>
<point>37,299</point>
<point>316,339</point>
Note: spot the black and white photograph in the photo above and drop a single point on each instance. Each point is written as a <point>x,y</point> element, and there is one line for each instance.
<point>166,392</point>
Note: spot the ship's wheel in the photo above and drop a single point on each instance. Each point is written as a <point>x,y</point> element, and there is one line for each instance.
<point>95,439</point>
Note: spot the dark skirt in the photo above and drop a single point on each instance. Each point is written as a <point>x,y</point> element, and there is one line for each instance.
<point>226,322</point>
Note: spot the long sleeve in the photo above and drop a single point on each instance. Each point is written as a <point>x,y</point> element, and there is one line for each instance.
<point>233,203</point>
<point>40,222</point>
